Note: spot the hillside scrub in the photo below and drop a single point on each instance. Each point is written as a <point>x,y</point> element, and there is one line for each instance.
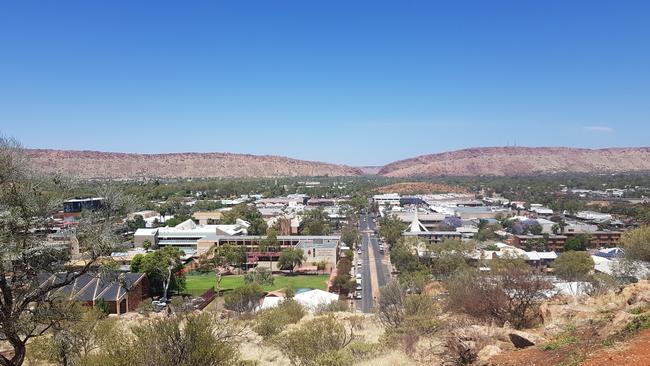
<point>511,292</point>
<point>272,322</point>
<point>317,342</point>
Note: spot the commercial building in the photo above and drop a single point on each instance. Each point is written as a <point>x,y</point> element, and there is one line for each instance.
<point>553,242</point>
<point>418,230</point>
<point>187,234</point>
<point>207,217</point>
<point>604,239</point>
<point>392,199</point>
<point>73,207</point>
<point>315,248</point>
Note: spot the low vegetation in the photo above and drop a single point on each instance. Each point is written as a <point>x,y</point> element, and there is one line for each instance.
<point>272,322</point>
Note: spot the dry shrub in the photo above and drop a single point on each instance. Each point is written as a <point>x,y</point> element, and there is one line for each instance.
<point>271,322</point>
<point>316,342</point>
<point>511,293</point>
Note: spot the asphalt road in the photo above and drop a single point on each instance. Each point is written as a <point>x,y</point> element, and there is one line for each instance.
<point>374,273</point>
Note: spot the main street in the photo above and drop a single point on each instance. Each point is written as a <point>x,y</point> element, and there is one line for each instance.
<point>374,271</point>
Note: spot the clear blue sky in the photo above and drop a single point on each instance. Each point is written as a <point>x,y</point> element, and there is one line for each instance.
<point>352,82</point>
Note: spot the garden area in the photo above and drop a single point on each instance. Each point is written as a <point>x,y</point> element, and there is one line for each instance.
<point>199,283</point>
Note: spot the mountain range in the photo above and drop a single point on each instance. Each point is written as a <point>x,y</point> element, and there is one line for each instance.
<point>497,161</point>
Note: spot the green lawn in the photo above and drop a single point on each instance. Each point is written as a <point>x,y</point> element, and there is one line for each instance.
<point>197,284</point>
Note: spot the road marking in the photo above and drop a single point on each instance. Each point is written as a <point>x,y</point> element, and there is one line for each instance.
<point>374,282</point>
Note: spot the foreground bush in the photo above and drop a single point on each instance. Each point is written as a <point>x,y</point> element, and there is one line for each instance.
<point>317,342</point>
<point>511,292</point>
<point>244,299</point>
<point>271,322</point>
<point>180,340</point>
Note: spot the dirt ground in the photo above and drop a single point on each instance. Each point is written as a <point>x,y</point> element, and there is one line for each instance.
<point>636,352</point>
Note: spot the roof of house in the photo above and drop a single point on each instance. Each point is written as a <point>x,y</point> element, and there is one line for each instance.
<point>92,287</point>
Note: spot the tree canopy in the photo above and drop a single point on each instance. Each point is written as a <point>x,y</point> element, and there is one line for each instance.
<point>391,229</point>
<point>247,213</point>
<point>636,243</point>
<point>315,222</point>
<point>573,265</point>
<point>290,259</point>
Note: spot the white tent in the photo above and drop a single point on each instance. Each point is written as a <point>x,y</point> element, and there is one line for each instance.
<point>270,302</point>
<point>313,299</point>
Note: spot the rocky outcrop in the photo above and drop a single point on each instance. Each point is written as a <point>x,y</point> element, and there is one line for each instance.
<point>94,164</point>
<point>506,161</point>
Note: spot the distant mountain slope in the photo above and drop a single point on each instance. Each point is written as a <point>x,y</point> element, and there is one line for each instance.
<point>502,161</point>
<point>94,164</point>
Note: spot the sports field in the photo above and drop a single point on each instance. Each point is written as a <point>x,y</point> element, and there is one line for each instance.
<point>197,284</point>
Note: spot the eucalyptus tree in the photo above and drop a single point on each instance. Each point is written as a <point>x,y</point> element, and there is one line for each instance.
<point>29,305</point>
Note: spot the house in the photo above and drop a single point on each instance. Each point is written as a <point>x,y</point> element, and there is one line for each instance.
<point>122,295</point>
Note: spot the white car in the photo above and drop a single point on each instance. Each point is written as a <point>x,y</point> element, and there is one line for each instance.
<point>358,276</point>
<point>359,263</point>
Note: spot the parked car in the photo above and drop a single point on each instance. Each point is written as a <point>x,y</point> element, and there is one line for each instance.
<point>357,294</point>
<point>158,305</point>
<point>358,276</point>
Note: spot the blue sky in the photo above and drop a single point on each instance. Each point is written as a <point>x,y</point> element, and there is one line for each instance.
<point>361,83</point>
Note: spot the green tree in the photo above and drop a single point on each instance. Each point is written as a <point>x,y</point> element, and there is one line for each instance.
<point>488,232</point>
<point>270,243</point>
<point>535,229</point>
<point>247,213</point>
<point>315,222</point>
<point>404,257</point>
<point>259,275</point>
<point>573,266</point>
<point>163,269</point>
<point>137,223</point>
<point>290,259</point>
<point>391,229</point>
<point>449,257</point>
<point>232,255</point>
<point>146,245</point>
<point>351,236</point>
<point>244,299</point>
<point>177,220</point>
<point>576,242</point>
<point>536,244</point>
<point>636,243</point>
